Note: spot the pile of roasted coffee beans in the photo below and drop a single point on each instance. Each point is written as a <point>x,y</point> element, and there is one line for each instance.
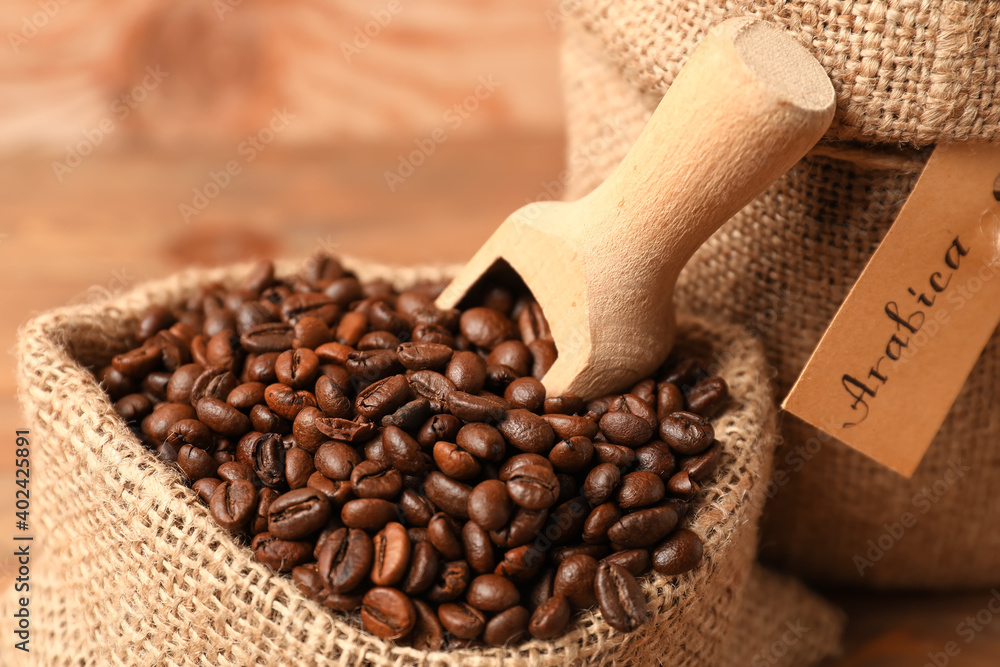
<point>404,461</point>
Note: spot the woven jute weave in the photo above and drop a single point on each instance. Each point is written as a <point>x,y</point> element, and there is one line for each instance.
<point>131,569</point>
<point>780,269</point>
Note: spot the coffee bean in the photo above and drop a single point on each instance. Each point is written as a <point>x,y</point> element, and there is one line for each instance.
<point>656,458</point>
<point>451,582</point>
<point>635,561</point>
<point>265,497</point>
<point>336,460</point>
<point>189,432</point>
<point>454,462</point>
<point>493,593</point>
<point>387,613</point>
<point>223,350</point>
<point>490,505</point>
<point>378,340</point>
<point>261,368</point>
<point>618,455</point>
<point>372,479</point>
<point>402,451</point>
<point>215,383</point>
<point>549,618</point>
<point>527,431</point>
<point>297,368</point>
<point>417,509</point>
<point>461,620</point>
<point>439,427</point>
<point>544,354</point>
<point>431,385</point>
<point>626,428</point>
<point>287,402</point>
<point>595,551</point>
<point>332,400</point>
<point>426,332</point>
<point>474,408</point>
<point>345,430</point>
<point>383,397</point>
<point>533,487</point>
<point>467,371</point>
<point>485,327</point>
<point>309,304</point>
<point>345,559</point>
<point>298,513</point>
<point>443,533</point>
<point>477,548</point>
<point>391,555</point>
<point>244,396</point>
<point>513,354</point>
<point>369,514</point>
<point>679,553</point>
<point>683,486</point>
<point>280,555</point>
<point>373,365</point>
<point>639,489</point>
<point>233,504</point>
<point>164,415</point>
<point>205,487</point>
<point>234,470</point>
<point>423,569</point>
<point>600,519</point>
<point>196,463</point>
<point>600,483</point>
<point>526,393</point>
<point>520,460</point>
<point>524,527</point>
<point>409,416</point>
<point>521,563</point>
<point>569,426</point>
<point>643,528</point>
<point>619,597</point>
<point>708,396</point>
<point>448,494</point>
<point>482,440</point>
<point>701,466</point>
<point>424,356</point>
<point>336,492</point>
<point>686,433</point>
<point>574,580</point>
<point>572,455</point>
<point>267,337</point>
<point>669,399</point>
<point>138,362</point>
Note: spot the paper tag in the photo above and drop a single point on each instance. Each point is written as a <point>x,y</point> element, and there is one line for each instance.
<point>889,367</point>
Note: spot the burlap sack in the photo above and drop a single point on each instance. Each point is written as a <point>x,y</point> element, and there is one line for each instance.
<point>130,569</point>
<point>908,72</point>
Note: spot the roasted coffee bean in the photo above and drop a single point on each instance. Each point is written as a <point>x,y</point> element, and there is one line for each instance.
<point>332,400</point>
<point>352,326</point>
<point>680,373</point>
<point>244,396</point>
<point>417,509</point>
<point>595,551</point>
<point>519,461</point>
<point>574,580</point>
<point>601,483</point>
<point>182,381</point>
<point>369,514</point>
<point>477,548</point>
<point>223,350</point>
<point>485,327</point>
<point>409,416</point>
<point>433,333</point>
<point>635,561</point>
<point>669,399</point>
<point>164,415</point>
<point>259,278</point>
<point>569,426</point>
<point>701,466</point>
<point>424,356</point>
<point>383,397</point>
<point>622,426</point>
<point>280,555</point>
<point>196,463</point>
<point>566,520</point>
<point>683,486</point>
<point>265,497</point>
<point>474,408</point>
<point>153,320</point>
<point>378,340</point>
<point>423,569</point>
<point>215,383</point>
<point>345,559</point>
<point>482,440</point>
<point>639,489</point>
<point>454,462</point>
<point>235,470</point>
<point>310,333</point>
<point>462,620</point>
<point>600,519</point>
<point>444,534</point>
<point>531,323</point>
<point>233,504</point>
<point>679,553</point>
<point>189,432</point>
<point>391,555</point>
<point>337,492</point>
<point>499,376</point>
<point>450,584</point>
<point>686,433</point>
<point>619,597</point>
<point>387,613</point>
<point>344,290</point>
<point>467,371</point>
<point>521,563</point>
<point>543,353</point>
<point>261,368</point>
<point>297,514</point>
<point>490,504</point>
<point>533,487</point>
<point>656,458</point>
<point>524,527</point>
<point>305,430</point>
<point>431,385</point>
<point>205,487</point>
<point>299,467</point>
<point>116,383</point>
<point>346,430</point>
<point>527,431</point>
<point>309,304</point>
<point>526,393</point>
<point>164,451</point>
<point>251,314</point>
<point>427,633</point>
<point>287,402</point>
<point>643,528</point>
<point>541,590</point>
<point>450,495</point>
<point>514,354</point>
<point>371,479</point>
<point>708,396</point>
<point>566,405</point>
<point>569,487</point>
<point>402,451</point>
<point>383,318</point>
<point>133,407</point>
<point>507,627</point>
<point>550,618</point>
<point>618,455</point>
<point>138,362</point>
<point>572,455</point>
<point>336,460</point>
<point>333,353</point>
<point>439,427</point>
<point>267,337</point>
<point>373,365</point>
<point>297,368</point>
<point>493,593</point>
<point>266,453</point>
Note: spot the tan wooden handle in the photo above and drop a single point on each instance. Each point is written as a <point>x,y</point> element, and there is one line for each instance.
<point>748,104</point>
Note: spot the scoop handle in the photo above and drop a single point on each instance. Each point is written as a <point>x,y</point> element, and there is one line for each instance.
<point>748,104</point>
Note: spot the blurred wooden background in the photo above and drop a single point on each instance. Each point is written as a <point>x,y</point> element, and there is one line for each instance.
<point>114,115</point>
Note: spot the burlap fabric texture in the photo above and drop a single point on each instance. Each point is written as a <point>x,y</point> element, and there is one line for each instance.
<point>907,72</point>
<point>130,569</point>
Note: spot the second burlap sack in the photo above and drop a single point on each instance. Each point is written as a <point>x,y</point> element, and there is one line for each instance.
<point>131,569</point>
<point>907,75</point>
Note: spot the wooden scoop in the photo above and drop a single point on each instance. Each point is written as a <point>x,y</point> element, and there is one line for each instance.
<point>747,105</point>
